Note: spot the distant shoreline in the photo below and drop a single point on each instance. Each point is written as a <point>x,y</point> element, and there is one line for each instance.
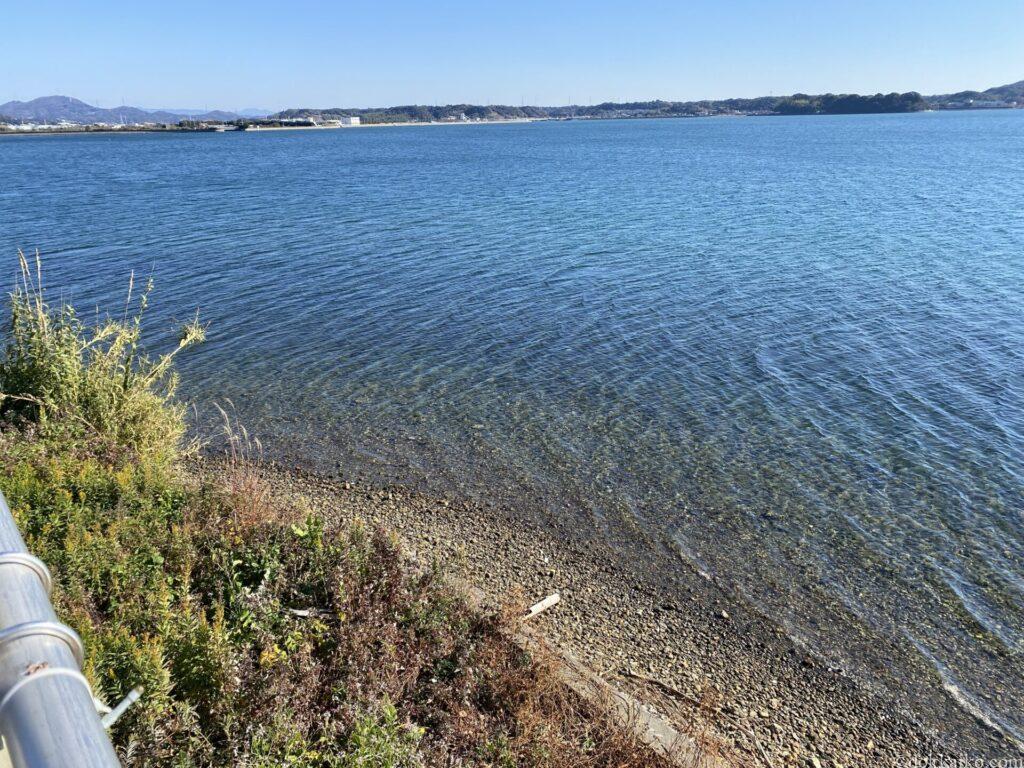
<point>58,131</point>
<point>87,129</point>
<point>497,121</point>
<point>54,110</point>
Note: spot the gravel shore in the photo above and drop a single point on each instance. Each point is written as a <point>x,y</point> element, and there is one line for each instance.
<point>691,649</point>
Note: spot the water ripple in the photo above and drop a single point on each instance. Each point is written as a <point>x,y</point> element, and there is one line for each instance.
<point>794,345</point>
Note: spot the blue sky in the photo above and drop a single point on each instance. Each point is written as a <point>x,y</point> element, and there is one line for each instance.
<point>278,54</point>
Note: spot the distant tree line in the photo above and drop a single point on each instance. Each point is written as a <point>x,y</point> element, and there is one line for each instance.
<point>1009,95</point>
<point>797,104</point>
<point>416,113</point>
<point>850,104</point>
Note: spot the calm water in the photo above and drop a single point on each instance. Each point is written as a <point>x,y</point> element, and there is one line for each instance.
<point>795,346</point>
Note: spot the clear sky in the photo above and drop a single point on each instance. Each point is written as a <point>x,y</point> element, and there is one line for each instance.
<point>294,53</point>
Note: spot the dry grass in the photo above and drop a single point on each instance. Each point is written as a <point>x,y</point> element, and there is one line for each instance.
<point>239,476</point>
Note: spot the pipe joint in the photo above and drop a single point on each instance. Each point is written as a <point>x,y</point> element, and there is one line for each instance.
<point>45,629</point>
<point>33,563</point>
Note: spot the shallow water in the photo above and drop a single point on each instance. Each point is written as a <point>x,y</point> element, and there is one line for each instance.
<point>793,345</point>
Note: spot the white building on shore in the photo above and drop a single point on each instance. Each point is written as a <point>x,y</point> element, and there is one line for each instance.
<point>350,121</point>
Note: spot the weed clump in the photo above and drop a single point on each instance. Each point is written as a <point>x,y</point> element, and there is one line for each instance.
<point>264,635</point>
<point>91,384</point>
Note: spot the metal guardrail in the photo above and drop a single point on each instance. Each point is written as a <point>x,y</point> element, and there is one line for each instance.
<point>47,713</point>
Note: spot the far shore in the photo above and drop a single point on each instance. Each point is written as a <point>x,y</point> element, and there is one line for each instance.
<point>84,129</point>
<point>261,129</point>
<point>59,130</point>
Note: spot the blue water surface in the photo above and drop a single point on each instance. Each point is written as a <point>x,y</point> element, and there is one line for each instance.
<point>793,346</point>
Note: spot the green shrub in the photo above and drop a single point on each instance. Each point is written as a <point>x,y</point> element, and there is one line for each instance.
<point>381,741</point>
<point>91,383</point>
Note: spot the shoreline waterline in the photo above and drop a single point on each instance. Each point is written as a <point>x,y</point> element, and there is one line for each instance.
<point>85,130</point>
<point>740,681</point>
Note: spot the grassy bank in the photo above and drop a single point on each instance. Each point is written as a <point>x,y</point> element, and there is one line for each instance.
<point>264,634</point>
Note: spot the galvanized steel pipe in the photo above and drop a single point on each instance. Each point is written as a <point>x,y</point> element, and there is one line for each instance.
<point>47,714</point>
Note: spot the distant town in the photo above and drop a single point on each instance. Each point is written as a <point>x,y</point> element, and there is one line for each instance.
<point>63,114</point>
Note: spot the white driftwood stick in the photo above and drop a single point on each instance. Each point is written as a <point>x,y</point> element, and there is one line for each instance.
<point>543,605</point>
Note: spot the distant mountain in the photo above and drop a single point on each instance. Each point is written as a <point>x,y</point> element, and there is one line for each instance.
<point>207,114</point>
<point>216,115</point>
<point>53,109</point>
<point>1012,94</point>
